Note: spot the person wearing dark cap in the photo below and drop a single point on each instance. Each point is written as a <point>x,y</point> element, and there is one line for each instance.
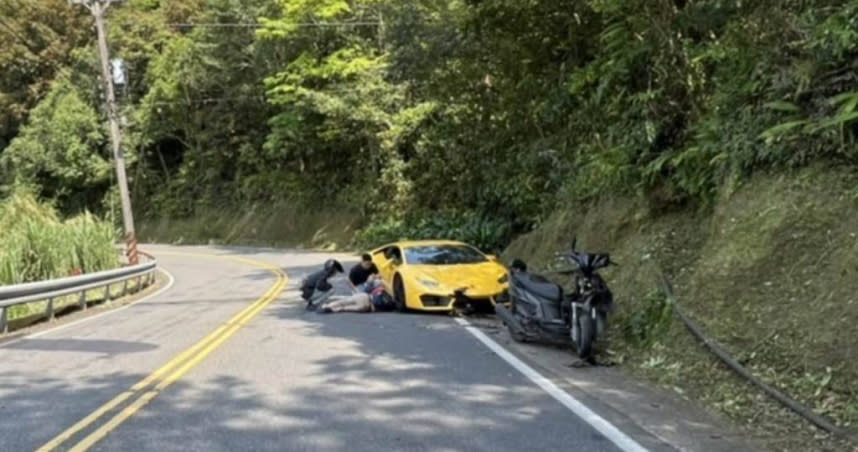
<point>315,289</point>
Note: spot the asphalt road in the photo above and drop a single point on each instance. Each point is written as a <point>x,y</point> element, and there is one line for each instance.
<point>282,379</point>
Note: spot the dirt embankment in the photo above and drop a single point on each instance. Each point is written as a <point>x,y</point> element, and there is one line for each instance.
<point>770,271</point>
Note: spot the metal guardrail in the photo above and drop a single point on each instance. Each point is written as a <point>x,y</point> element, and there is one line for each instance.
<point>20,294</point>
<point>805,412</point>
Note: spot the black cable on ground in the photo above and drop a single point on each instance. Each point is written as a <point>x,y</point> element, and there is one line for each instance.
<point>816,419</point>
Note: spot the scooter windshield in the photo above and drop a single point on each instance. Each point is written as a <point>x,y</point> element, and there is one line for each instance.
<point>590,262</point>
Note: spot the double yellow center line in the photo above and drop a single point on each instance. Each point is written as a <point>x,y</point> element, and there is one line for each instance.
<point>147,389</point>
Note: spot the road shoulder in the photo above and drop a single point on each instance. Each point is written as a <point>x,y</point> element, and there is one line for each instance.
<point>624,400</point>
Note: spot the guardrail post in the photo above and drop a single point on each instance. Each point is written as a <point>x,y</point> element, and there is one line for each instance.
<point>151,278</point>
<point>4,325</point>
<point>124,288</point>
<point>107,293</point>
<point>82,300</point>
<point>51,309</point>
<point>139,283</point>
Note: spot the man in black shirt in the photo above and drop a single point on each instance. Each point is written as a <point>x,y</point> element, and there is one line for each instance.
<point>362,272</point>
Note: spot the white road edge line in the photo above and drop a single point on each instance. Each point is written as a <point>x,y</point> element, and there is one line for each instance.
<point>170,282</point>
<point>620,439</point>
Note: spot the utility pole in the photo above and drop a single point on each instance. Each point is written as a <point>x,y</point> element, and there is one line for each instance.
<point>98,8</point>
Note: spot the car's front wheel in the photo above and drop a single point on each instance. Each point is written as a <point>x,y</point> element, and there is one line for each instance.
<point>399,294</point>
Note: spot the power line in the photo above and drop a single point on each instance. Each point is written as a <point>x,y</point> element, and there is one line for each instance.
<point>258,97</point>
<point>204,100</point>
<point>258,25</point>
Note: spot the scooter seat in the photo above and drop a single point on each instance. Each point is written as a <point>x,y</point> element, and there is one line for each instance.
<point>538,285</point>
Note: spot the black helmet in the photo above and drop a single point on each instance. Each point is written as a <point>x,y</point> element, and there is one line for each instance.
<point>332,266</point>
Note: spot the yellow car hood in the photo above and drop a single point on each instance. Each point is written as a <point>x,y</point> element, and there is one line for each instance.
<point>479,279</point>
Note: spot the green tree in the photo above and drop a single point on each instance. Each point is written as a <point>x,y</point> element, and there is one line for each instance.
<point>38,37</point>
<point>61,150</point>
<point>339,120</point>
<point>203,117</point>
<point>482,112</point>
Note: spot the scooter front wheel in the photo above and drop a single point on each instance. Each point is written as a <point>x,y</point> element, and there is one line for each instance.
<point>586,330</point>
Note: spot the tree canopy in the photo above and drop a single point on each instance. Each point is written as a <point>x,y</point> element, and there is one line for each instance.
<point>491,110</point>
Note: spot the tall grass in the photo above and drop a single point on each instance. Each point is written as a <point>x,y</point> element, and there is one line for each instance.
<point>36,244</point>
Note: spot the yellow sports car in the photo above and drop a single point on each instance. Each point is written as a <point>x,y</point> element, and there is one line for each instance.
<point>440,275</point>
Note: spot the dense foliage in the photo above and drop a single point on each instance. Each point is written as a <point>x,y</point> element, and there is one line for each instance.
<point>494,110</point>
<point>37,245</point>
<point>482,231</point>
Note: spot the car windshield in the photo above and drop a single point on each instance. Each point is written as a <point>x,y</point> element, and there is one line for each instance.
<point>443,255</point>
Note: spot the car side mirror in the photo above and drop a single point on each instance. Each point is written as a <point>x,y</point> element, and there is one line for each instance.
<point>394,260</point>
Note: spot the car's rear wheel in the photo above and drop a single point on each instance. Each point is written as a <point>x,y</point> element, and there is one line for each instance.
<point>399,294</point>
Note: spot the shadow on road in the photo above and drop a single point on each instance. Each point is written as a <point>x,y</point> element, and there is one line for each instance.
<point>369,390</point>
<point>362,383</point>
<point>345,382</point>
<point>99,346</point>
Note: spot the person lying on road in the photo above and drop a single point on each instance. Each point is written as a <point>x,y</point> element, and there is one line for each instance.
<point>364,271</point>
<point>315,289</point>
<point>372,297</point>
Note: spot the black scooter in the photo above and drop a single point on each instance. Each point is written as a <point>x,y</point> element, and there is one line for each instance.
<point>539,311</point>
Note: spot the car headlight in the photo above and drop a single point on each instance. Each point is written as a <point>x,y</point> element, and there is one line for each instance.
<point>431,283</point>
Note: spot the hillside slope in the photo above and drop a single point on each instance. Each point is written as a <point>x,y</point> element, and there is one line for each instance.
<point>770,271</point>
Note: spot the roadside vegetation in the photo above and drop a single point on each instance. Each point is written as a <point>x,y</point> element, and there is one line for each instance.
<point>496,110</point>
<point>283,224</point>
<point>769,273</point>
<point>715,139</point>
<point>36,244</point>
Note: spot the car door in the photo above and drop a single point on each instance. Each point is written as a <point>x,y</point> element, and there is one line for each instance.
<point>381,261</point>
<point>387,262</point>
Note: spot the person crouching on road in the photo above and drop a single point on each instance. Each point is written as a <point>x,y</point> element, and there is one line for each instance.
<point>362,273</point>
<point>372,297</point>
<point>315,289</point>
